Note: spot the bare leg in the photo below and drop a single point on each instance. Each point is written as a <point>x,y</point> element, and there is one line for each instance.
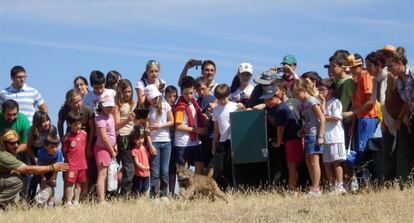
<point>316,170</point>
<point>329,173</point>
<point>293,176</point>
<point>339,174</point>
<point>100,184</point>
<point>68,196</point>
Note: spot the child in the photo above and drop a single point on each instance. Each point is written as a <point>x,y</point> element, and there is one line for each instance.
<point>206,102</point>
<point>221,119</point>
<point>170,97</point>
<point>160,120</point>
<point>313,129</point>
<point>105,147</point>
<point>73,149</point>
<point>36,136</point>
<point>171,94</point>
<point>364,112</point>
<point>141,156</point>
<point>124,121</point>
<point>287,128</point>
<point>91,99</point>
<point>240,88</point>
<point>200,85</point>
<point>334,137</point>
<point>48,155</point>
<point>188,123</point>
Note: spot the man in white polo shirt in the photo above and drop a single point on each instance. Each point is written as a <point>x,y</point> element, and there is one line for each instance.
<point>27,97</point>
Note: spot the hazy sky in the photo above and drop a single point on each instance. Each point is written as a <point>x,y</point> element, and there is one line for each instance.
<point>58,40</point>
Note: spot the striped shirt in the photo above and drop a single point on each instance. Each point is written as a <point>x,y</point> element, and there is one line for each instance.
<point>406,88</point>
<point>27,97</point>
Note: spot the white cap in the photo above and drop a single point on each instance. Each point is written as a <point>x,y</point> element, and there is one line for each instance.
<point>151,91</point>
<point>245,67</point>
<point>107,101</point>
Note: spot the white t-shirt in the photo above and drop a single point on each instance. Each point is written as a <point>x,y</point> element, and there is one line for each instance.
<point>334,131</point>
<point>221,115</point>
<point>246,93</point>
<point>91,99</point>
<point>142,83</point>
<point>182,138</point>
<point>163,134</point>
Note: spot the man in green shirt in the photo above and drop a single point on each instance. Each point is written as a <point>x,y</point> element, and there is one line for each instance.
<point>11,168</point>
<point>11,118</point>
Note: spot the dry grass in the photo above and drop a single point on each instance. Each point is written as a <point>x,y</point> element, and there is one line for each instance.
<point>390,205</point>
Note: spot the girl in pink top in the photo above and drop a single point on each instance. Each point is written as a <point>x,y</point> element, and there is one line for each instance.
<point>141,160</point>
<point>105,147</point>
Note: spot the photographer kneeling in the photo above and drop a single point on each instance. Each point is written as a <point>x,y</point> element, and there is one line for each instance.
<point>11,168</point>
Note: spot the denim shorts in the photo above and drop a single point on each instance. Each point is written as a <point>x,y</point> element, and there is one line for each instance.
<point>311,147</point>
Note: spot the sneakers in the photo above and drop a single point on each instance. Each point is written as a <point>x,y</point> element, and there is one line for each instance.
<point>338,191</point>
<point>43,195</point>
<point>313,193</point>
<point>164,200</point>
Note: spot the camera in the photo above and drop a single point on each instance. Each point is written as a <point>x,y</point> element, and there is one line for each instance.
<point>197,63</point>
<point>280,70</point>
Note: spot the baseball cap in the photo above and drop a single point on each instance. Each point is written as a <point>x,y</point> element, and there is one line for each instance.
<point>269,91</point>
<point>289,59</point>
<point>354,60</point>
<point>206,100</point>
<point>245,67</point>
<point>107,101</point>
<point>265,78</point>
<point>151,91</point>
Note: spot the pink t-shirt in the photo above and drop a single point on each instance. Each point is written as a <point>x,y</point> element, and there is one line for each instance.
<point>107,122</point>
<point>143,158</point>
<point>74,150</point>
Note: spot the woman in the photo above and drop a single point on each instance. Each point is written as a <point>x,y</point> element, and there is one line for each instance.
<point>11,168</point>
<point>150,76</point>
<point>80,84</point>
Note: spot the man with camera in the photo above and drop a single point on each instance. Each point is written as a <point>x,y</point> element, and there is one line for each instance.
<point>289,64</point>
<point>208,70</point>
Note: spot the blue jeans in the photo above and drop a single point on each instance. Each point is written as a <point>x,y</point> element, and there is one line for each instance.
<point>159,168</point>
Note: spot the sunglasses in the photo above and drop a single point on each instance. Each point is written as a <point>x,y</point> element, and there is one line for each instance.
<point>152,63</point>
<point>12,143</point>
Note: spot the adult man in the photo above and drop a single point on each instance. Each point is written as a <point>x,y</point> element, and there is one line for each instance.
<point>27,97</point>
<point>11,168</point>
<point>289,64</point>
<point>208,70</point>
<point>11,118</point>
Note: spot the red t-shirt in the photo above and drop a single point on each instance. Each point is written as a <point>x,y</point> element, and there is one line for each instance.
<point>143,157</point>
<point>74,150</point>
<point>364,87</point>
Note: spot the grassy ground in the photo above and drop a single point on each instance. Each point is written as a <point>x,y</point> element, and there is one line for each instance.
<point>388,205</point>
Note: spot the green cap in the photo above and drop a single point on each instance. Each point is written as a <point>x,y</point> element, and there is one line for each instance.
<point>289,59</point>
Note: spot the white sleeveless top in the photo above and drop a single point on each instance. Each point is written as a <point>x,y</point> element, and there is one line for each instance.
<point>124,113</point>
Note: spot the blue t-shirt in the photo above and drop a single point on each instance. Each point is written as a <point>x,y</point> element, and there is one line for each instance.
<point>45,159</point>
<point>284,117</point>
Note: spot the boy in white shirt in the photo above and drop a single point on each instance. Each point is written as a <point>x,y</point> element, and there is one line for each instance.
<point>221,147</point>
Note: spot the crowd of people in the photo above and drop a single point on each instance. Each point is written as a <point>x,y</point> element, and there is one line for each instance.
<point>311,124</point>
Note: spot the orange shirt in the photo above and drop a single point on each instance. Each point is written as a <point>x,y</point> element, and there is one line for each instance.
<point>363,94</point>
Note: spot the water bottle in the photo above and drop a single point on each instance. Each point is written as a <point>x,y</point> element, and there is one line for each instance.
<point>354,185</point>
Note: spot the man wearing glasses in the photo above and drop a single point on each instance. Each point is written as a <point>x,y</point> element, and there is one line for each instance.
<point>27,97</point>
